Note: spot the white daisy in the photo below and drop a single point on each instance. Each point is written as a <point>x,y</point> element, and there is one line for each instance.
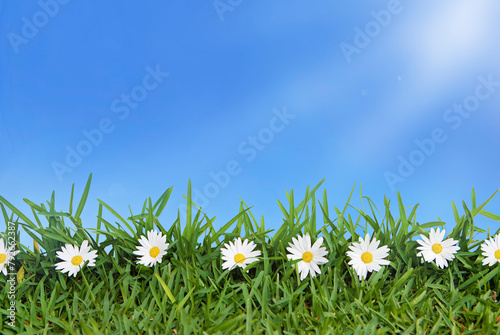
<point>238,254</point>
<point>74,258</point>
<point>310,257</point>
<point>152,249</point>
<point>491,250</point>
<point>366,256</point>
<point>6,256</point>
<point>434,248</point>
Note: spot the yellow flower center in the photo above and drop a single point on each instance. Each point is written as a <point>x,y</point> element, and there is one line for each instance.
<point>155,251</point>
<point>307,256</point>
<point>437,248</point>
<point>77,260</point>
<point>239,258</point>
<point>497,254</point>
<point>367,257</point>
<point>3,257</point>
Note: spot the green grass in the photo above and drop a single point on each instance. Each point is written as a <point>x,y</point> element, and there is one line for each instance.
<point>189,293</point>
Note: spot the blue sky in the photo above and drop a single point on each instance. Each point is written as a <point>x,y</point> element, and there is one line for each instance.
<point>263,96</point>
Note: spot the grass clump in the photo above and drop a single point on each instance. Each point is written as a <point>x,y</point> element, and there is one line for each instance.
<point>189,293</point>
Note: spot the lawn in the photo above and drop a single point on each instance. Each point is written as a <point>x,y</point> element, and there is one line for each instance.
<point>189,292</point>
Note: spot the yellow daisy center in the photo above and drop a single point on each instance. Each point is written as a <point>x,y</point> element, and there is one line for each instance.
<point>437,248</point>
<point>307,256</point>
<point>155,251</point>
<point>3,257</point>
<point>497,254</point>
<point>367,257</point>
<point>239,258</point>
<point>77,260</point>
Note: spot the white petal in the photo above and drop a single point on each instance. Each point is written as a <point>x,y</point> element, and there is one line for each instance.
<point>317,244</point>
<point>307,242</point>
<point>315,267</point>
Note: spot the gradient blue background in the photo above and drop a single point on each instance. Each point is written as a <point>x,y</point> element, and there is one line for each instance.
<point>353,119</point>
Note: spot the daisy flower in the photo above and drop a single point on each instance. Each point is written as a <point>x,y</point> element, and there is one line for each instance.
<point>491,250</point>
<point>74,258</point>
<point>366,256</point>
<point>434,248</point>
<point>6,255</point>
<point>238,254</point>
<point>152,249</point>
<point>310,257</point>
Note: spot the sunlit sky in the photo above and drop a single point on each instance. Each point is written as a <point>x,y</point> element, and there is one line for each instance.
<point>262,96</point>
